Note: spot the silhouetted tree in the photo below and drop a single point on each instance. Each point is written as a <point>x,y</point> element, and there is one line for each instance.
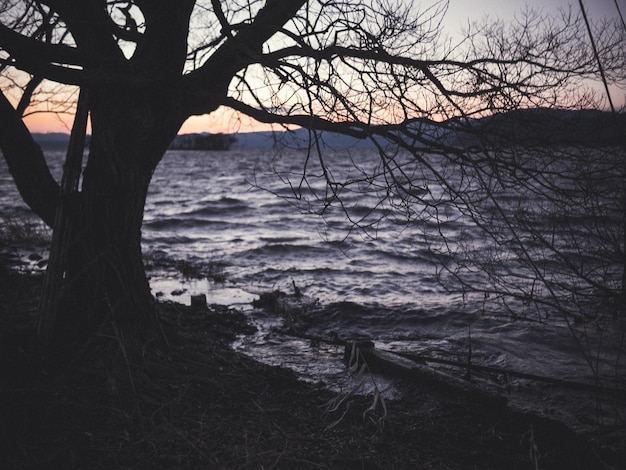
<point>374,69</point>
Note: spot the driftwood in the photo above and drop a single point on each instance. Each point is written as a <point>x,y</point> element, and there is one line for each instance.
<point>357,354</point>
<point>591,387</point>
<point>415,365</point>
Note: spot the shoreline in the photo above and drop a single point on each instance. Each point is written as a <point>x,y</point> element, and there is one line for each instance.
<point>204,405</point>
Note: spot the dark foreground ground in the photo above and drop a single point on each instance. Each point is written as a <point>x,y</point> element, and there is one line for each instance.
<point>199,405</point>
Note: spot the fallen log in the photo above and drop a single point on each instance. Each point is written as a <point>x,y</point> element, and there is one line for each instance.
<point>390,364</point>
<point>590,387</point>
<point>358,354</point>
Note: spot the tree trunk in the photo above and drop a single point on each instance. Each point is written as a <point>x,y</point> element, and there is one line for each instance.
<point>103,275</point>
<point>55,272</point>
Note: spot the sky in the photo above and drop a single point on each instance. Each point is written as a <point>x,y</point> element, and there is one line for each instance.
<point>460,12</point>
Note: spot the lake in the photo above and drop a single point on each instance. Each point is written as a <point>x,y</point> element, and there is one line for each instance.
<point>247,215</point>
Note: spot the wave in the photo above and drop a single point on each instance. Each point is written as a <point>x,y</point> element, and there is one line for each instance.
<point>187,224</point>
<point>223,206</point>
<point>285,249</point>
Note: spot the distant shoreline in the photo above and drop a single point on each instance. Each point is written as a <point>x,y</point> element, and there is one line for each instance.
<point>525,127</point>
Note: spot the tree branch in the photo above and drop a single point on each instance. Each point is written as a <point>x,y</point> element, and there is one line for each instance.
<point>356,129</point>
<point>27,95</point>
<point>217,9</point>
<point>237,52</point>
<point>353,129</point>
<point>27,164</point>
<point>163,50</point>
<point>32,50</point>
<point>90,26</point>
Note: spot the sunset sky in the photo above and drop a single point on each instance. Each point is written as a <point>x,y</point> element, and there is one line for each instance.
<point>459,13</point>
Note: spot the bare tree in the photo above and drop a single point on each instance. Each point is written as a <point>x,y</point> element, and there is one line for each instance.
<point>516,150</point>
<point>376,69</point>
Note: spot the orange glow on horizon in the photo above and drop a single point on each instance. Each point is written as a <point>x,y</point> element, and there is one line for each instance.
<point>49,122</point>
<point>221,121</point>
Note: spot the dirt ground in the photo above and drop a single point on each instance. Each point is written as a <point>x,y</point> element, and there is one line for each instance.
<point>196,404</point>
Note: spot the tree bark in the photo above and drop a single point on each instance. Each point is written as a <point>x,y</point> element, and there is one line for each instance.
<point>104,275</point>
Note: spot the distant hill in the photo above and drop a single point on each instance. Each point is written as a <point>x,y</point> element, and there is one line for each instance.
<point>526,127</point>
<point>540,126</point>
<point>52,140</point>
<point>297,138</point>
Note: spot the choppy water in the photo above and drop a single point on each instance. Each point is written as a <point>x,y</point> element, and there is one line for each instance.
<point>202,206</point>
<point>205,207</point>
